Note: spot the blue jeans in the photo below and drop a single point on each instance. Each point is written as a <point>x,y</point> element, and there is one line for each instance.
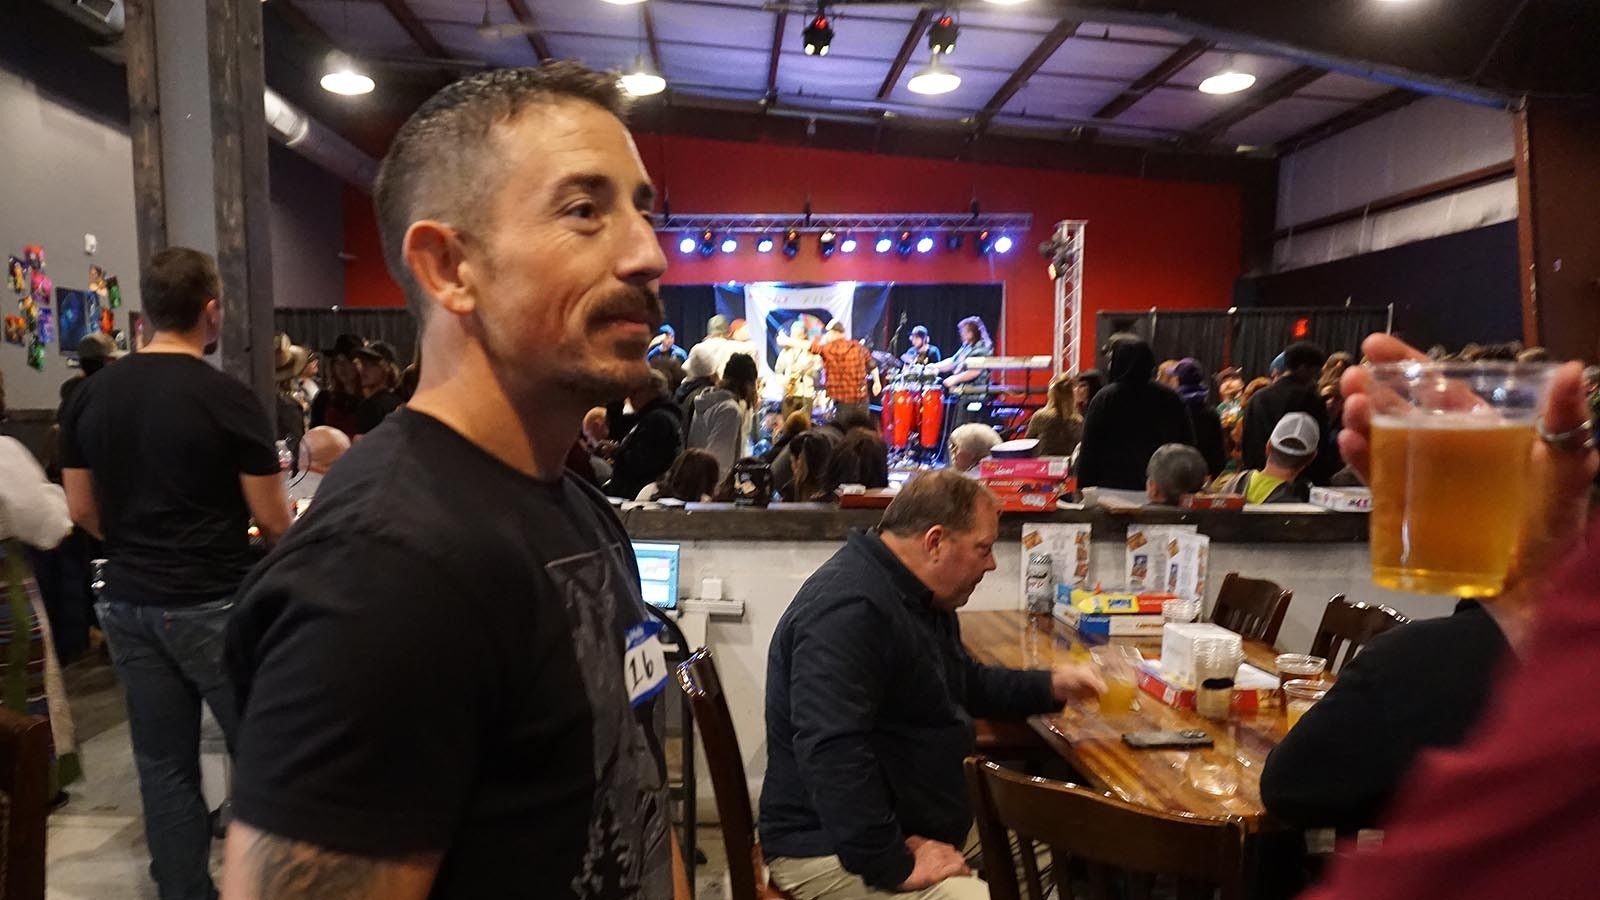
<point>170,659</point>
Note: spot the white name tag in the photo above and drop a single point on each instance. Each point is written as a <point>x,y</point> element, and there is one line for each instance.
<point>644,665</point>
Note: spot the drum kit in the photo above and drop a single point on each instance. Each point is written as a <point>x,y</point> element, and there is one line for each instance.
<point>913,414</point>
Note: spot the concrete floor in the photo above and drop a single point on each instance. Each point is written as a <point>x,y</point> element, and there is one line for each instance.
<point>96,842</point>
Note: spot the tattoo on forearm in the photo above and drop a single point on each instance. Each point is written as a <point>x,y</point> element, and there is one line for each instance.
<point>283,868</point>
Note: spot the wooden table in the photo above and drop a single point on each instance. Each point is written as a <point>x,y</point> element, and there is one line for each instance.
<point>1093,745</point>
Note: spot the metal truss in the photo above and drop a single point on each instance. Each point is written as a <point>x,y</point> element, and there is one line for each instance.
<point>1015,224</point>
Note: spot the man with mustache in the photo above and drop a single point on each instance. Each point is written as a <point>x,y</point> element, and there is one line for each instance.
<point>870,705</point>
<point>450,685</point>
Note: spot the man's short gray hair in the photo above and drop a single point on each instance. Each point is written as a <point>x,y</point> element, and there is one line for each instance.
<point>975,438</point>
<point>1177,469</point>
<point>937,497</point>
<point>441,164</point>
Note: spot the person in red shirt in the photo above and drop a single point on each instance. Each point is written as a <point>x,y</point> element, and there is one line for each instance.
<point>845,364</point>
<point>1512,812</point>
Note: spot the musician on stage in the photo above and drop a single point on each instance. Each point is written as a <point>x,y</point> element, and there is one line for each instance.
<point>797,368</point>
<point>922,351</point>
<point>845,366</point>
<point>969,385</point>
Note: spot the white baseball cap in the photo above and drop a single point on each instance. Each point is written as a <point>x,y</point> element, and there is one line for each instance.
<point>1296,434</point>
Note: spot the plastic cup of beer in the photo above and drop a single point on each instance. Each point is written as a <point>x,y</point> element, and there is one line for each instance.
<point>1119,667</point>
<point>1299,696</point>
<point>1293,666</point>
<point>1450,476</point>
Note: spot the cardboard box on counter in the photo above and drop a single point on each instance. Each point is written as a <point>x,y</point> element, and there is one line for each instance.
<point>1119,625</point>
<point>1342,499</point>
<point>1024,495</point>
<point>1230,502</point>
<point>1254,689</point>
<point>1113,602</point>
<point>1038,468</point>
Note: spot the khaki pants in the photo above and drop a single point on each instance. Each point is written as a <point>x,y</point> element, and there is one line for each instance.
<point>824,878</point>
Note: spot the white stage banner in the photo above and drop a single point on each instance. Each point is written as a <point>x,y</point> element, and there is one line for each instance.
<point>770,306</point>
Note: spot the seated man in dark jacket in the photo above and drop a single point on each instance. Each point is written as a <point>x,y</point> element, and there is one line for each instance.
<point>871,699</point>
<point>648,449</point>
<point>1421,685</point>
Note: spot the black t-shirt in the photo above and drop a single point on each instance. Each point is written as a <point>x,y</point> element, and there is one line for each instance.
<point>371,411</point>
<point>167,437</point>
<point>433,660</point>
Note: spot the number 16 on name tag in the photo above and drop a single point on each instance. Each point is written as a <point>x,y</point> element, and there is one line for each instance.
<point>644,665</point>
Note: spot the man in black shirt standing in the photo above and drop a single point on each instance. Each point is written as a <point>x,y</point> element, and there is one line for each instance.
<point>1296,391</point>
<point>379,370</point>
<point>451,686</point>
<point>167,459</point>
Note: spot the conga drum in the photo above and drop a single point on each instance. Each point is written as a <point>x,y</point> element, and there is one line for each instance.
<point>887,414</point>
<point>905,413</point>
<point>931,427</point>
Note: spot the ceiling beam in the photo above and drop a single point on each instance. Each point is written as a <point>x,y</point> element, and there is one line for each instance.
<point>650,38</point>
<point>779,20</point>
<point>1154,78</point>
<point>1041,54</point>
<point>413,26</point>
<point>907,47</point>
<point>1350,118</point>
<point>302,24</point>
<point>1254,101</point>
<point>536,40</point>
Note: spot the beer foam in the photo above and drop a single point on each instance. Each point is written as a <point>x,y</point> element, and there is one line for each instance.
<point>1448,421</point>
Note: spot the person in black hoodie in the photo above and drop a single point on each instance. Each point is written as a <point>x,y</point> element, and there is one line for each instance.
<point>1202,415</point>
<point>647,451</point>
<point>1296,391</point>
<point>1129,420</point>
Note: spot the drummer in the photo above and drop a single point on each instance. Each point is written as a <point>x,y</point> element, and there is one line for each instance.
<point>922,351</point>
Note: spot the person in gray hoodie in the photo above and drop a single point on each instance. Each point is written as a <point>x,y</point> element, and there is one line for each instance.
<point>720,419</point>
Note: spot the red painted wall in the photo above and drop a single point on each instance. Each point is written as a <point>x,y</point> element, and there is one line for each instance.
<point>1168,244</point>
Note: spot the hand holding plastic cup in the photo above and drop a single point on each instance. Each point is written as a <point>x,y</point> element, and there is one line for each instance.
<point>1119,666</point>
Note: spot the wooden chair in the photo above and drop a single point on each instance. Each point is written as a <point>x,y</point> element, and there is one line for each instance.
<point>747,870</point>
<point>1346,626</point>
<point>24,773</point>
<point>1103,833</point>
<point>1252,607</point>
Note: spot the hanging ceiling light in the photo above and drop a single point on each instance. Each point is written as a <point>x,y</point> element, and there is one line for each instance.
<point>764,244</point>
<point>730,244</point>
<point>942,35</point>
<point>344,78</point>
<point>903,245</point>
<point>1003,244</point>
<point>686,244</point>
<point>708,243</point>
<point>818,35</point>
<point>642,81</point>
<point>934,79</point>
<point>924,244</point>
<point>791,243</point>
<point>827,242</point>
<point>884,244</point>
<point>1231,80</point>
<point>847,245</point>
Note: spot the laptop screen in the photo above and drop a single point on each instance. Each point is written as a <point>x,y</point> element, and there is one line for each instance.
<point>658,573</point>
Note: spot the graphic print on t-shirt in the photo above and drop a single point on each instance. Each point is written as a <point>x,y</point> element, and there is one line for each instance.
<point>625,854</point>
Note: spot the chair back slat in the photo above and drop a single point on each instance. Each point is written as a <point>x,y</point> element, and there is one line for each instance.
<point>1346,626</point>
<point>1099,831</point>
<point>1252,607</point>
<point>697,676</point>
<point>24,779</point>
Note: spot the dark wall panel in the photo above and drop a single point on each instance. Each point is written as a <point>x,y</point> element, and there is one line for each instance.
<point>1449,290</point>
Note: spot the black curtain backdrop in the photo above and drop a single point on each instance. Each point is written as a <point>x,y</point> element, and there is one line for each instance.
<point>940,307</point>
<point>688,307</point>
<point>315,329</point>
<point>1247,338</point>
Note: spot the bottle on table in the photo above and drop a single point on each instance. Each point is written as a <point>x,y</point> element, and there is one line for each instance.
<point>1041,588</point>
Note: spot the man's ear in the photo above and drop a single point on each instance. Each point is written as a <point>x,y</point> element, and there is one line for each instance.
<point>933,541</point>
<point>437,258</point>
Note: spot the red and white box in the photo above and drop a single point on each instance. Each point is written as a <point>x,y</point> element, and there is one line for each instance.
<point>1253,688</point>
<point>1026,495</point>
<point>1037,468</point>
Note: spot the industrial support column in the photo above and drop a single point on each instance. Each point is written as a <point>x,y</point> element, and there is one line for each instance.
<point>195,84</point>
<point>1558,232</point>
